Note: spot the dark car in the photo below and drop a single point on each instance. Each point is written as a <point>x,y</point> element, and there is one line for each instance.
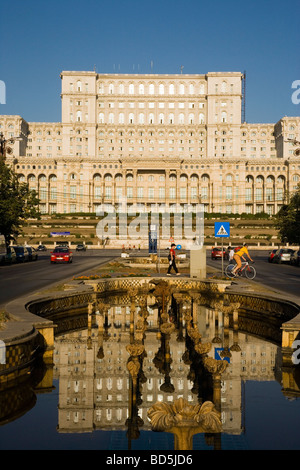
<point>283,255</point>
<point>22,253</point>
<point>9,256</point>
<point>61,254</point>
<point>41,248</point>
<point>271,255</point>
<point>33,256</point>
<point>80,247</point>
<point>216,253</point>
<point>295,258</point>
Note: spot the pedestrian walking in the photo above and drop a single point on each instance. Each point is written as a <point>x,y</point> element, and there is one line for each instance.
<point>172,261</point>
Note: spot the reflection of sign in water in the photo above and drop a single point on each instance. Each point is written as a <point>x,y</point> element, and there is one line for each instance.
<point>218,357</point>
<point>2,353</point>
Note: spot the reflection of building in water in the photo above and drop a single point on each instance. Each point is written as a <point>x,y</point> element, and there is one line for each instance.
<point>94,389</point>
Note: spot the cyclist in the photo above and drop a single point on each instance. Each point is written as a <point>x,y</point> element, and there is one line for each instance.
<point>240,254</point>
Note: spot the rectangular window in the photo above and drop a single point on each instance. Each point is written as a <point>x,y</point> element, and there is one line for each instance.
<point>248,194</point>
<point>161,192</point>
<point>97,192</point>
<point>258,194</point>
<point>193,193</point>
<point>53,193</point>
<point>129,192</point>
<point>151,193</point>
<point>182,193</point>
<point>172,193</point>
<point>73,192</point>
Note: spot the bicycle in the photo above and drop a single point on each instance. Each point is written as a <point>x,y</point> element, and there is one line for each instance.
<point>245,270</point>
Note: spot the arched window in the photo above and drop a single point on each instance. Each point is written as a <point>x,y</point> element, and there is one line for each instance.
<point>111,88</point>
<point>224,87</point>
<point>201,118</point>
<point>151,118</point>
<point>161,118</point>
<point>141,89</point>
<point>201,89</point>
<point>171,118</point>
<point>78,116</point>
<point>131,118</point>
<point>191,89</point>
<point>191,118</point>
<point>121,89</point>
<point>181,89</point>
<point>151,89</point>
<point>111,118</point>
<point>131,88</point>
<point>161,89</point>
<point>224,116</point>
<point>78,85</point>
<point>181,118</point>
<point>101,118</point>
<point>141,118</point>
<point>171,89</point>
<point>121,118</point>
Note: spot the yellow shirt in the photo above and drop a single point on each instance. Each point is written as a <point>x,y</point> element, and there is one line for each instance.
<point>243,251</point>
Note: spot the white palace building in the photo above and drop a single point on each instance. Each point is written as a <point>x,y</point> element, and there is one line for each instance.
<point>155,139</point>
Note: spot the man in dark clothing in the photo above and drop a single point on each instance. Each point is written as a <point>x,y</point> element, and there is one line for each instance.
<point>172,262</point>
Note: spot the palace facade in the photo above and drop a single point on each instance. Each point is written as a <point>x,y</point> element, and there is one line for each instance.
<point>151,139</point>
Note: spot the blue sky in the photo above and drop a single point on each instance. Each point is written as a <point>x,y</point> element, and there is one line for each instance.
<point>41,38</point>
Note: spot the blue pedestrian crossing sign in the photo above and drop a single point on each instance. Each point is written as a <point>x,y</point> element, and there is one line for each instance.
<point>222,229</point>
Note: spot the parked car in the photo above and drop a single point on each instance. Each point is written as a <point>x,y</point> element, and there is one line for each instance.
<point>271,255</point>
<point>9,256</point>
<point>41,248</point>
<point>283,255</point>
<point>33,256</point>
<point>81,247</point>
<point>295,258</point>
<point>61,254</point>
<point>22,253</point>
<point>216,253</point>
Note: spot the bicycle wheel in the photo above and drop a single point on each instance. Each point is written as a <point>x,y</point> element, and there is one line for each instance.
<point>228,270</point>
<point>250,272</point>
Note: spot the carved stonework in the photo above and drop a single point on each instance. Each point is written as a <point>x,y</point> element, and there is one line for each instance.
<point>167,328</point>
<point>184,420</point>
<point>135,349</point>
<point>215,366</point>
<point>203,348</point>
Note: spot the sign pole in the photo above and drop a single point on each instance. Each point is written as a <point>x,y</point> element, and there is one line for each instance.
<point>222,258</point>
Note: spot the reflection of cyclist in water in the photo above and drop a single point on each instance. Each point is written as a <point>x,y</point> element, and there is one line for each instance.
<point>240,254</point>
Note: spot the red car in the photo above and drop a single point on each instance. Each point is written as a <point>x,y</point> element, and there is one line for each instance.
<point>271,255</point>
<point>216,253</point>
<point>61,255</point>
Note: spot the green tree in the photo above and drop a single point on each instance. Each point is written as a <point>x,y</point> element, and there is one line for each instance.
<point>288,220</point>
<point>17,203</point>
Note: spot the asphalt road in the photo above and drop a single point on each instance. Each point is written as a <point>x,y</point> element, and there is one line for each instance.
<point>21,279</point>
<point>282,278</point>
